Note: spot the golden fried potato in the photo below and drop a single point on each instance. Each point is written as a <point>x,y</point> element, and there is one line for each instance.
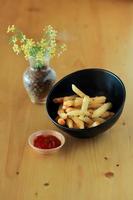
<point>78,112</point>
<point>61,121</point>
<point>58,100</point>
<point>98,112</point>
<point>81,111</point>
<point>62,113</point>
<point>69,123</point>
<point>98,99</point>
<point>77,91</point>
<point>78,122</point>
<point>95,124</point>
<point>85,104</point>
<point>86,119</point>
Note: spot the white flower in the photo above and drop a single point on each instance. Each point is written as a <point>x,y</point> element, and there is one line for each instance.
<point>16,49</point>
<point>11,29</point>
<point>14,39</point>
<point>23,38</point>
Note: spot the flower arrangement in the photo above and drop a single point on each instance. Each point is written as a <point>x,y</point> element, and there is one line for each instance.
<point>38,53</point>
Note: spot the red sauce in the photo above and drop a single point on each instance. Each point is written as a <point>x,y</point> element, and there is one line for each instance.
<point>46,142</point>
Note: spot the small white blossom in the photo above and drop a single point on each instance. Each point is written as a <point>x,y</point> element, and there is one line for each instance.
<point>16,49</point>
<point>11,29</point>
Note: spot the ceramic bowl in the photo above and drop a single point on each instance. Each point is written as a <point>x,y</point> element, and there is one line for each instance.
<point>57,134</point>
<point>94,82</point>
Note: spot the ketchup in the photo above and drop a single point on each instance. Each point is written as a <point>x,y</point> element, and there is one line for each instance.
<point>46,142</point>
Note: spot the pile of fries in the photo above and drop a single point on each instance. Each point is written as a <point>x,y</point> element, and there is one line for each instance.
<point>81,111</point>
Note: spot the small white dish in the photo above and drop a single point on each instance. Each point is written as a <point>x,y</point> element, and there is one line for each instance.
<point>57,134</point>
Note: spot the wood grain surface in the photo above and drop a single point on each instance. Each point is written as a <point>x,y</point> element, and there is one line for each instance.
<point>98,34</point>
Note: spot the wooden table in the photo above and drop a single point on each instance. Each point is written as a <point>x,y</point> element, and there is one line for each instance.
<point>98,34</point>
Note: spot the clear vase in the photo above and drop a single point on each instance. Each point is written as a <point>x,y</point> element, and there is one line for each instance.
<point>38,82</point>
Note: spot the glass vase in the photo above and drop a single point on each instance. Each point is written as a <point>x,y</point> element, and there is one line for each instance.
<point>38,82</point>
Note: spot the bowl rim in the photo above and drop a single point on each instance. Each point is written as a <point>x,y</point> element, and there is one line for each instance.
<point>88,69</point>
<point>55,133</point>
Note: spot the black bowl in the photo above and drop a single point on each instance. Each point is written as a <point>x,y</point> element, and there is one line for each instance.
<point>94,82</point>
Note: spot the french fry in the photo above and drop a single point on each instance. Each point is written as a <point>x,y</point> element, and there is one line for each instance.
<point>64,107</point>
<point>81,111</point>
<point>58,100</point>
<point>78,112</point>
<point>100,120</point>
<point>107,114</point>
<point>75,112</point>
<point>98,99</point>
<point>97,102</point>
<point>86,119</point>
<point>69,123</point>
<point>68,103</point>
<point>111,114</point>
<point>94,105</point>
<point>77,91</point>
<point>61,121</point>
<point>95,124</point>
<point>86,101</point>
<point>72,97</point>
<point>61,99</point>
<point>62,113</point>
<point>98,112</point>
<point>70,109</point>
<point>75,125</point>
<point>90,111</point>
<point>78,102</point>
<point>78,122</point>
